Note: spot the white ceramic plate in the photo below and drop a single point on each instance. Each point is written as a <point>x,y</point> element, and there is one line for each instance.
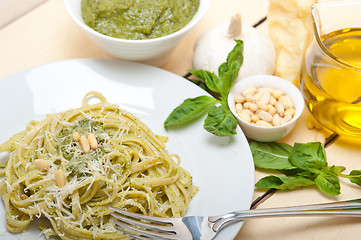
<point>222,167</point>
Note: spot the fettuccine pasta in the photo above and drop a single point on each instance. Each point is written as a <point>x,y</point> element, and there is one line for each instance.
<point>70,181</point>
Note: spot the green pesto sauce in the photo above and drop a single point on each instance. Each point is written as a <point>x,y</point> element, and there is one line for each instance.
<point>78,162</point>
<point>138,19</point>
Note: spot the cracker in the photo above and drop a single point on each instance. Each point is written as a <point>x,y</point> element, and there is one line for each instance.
<point>290,28</point>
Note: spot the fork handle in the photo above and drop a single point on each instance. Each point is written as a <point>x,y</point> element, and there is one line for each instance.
<point>343,208</point>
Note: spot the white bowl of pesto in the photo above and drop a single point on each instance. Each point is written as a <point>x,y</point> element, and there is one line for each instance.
<point>144,31</point>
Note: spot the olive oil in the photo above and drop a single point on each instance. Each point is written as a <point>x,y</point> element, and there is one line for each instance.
<point>331,85</point>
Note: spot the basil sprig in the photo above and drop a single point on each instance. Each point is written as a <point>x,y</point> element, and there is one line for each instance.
<point>302,165</point>
<point>220,120</point>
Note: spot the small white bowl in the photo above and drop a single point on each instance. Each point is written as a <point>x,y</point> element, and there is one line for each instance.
<point>267,134</point>
<point>149,51</point>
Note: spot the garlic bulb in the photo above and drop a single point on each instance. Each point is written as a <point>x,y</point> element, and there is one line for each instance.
<point>213,46</point>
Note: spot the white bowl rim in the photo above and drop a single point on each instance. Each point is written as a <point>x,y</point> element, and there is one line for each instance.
<point>260,83</point>
<point>202,9</point>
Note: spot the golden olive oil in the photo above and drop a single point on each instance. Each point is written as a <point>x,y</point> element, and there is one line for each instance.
<point>332,85</point>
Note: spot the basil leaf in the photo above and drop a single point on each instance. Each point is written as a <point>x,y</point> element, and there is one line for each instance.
<point>220,121</point>
<point>308,156</point>
<point>190,109</point>
<point>269,182</point>
<point>271,155</point>
<point>292,172</point>
<point>229,70</point>
<point>210,79</point>
<point>334,170</point>
<point>356,180</point>
<point>328,183</point>
<point>307,174</point>
<point>284,182</point>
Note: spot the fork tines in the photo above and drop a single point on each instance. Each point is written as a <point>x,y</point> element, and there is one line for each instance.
<point>139,226</point>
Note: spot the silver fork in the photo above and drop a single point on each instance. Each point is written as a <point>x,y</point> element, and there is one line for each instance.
<point>141,227</point>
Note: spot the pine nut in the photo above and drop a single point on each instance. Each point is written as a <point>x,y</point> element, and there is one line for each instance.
<point>271,109</point>
<point>286,101</point>
<point>250,91</point>
<point>59,178</point>
<point>247,105</point>
<point>277,94</point>
<point>265,98</point>
<point>265,89</point>
<point>272,100</point>
<point>262,106</point>
<point>286,119</point>
<point>84,143</point>
<point>23,196</point>
<point>244,116</point>
<point>265,116</point>
<point>263,124</point>
<point>290,111</point>
<point>318,126</point>
<point>92,141</point>
<point>249,98</point>
<point>276,121</point>
<point>239,107</point>
<point>258,96</point>
<point>41,164</point>
<point>280,108</point>
<point>239,98</point>
<point>310,124</point>
<point>319,137</point>
<point>249,112</point>
<point>255,118</point>
<point>253,107</point>
<point>76,137</point>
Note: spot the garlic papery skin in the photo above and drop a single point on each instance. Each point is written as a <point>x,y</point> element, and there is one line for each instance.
<point>235,26</point>
<point>212,48</point>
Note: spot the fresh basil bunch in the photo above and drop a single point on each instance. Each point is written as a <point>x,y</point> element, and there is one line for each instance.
<point>220,120</point>
<point>302,165</point>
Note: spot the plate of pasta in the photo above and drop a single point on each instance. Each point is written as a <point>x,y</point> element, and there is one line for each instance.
<point>79,135</point>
